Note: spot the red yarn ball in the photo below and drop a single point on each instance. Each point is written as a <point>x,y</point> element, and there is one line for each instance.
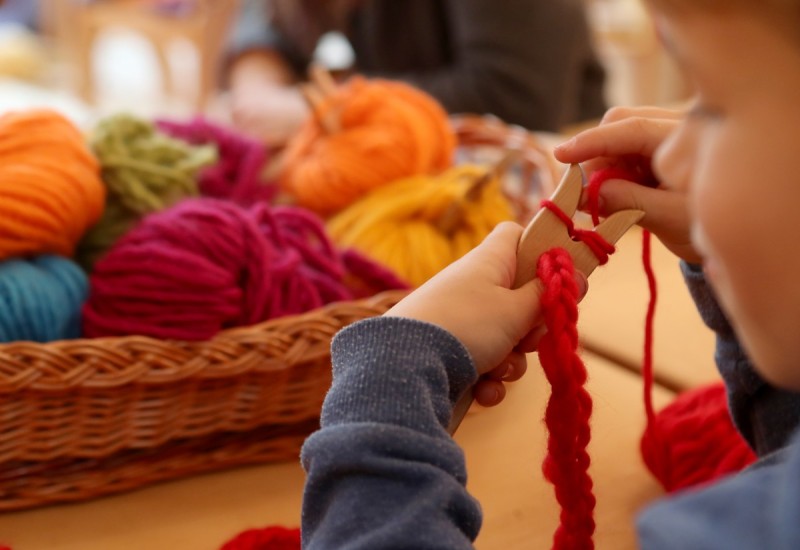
<point>268,538</point>
<point>693,440</point>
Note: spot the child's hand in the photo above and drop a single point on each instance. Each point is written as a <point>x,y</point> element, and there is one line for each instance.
<point>473,300</point>
<point>628,138</point>
<point>268,112</point>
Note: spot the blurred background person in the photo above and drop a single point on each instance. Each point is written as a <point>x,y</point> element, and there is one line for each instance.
<point>21,12</point>
<point>529,62</point>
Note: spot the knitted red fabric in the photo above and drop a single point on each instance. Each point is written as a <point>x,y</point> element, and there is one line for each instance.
<point>268,538</point>
<point>569,407</point>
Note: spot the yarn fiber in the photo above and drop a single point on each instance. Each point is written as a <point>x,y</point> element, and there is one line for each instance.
<point>267,538</point>
<point>41,299</point>
<point>693,440</point>
<point>237,173</point>
<point>204,265</point>
<point>50,188</point>
<point>144,171</point>
<point>389,130</point>
<point>400,225</point>
<point>570,405</point>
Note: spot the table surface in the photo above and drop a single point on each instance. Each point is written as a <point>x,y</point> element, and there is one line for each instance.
<point>612,317</point>
<point>504,447</point>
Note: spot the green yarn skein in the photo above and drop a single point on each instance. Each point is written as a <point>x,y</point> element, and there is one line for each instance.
<point>144,171</point>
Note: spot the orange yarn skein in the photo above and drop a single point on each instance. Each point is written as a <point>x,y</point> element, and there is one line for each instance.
<point>386,131</point>
<point>50,187</point>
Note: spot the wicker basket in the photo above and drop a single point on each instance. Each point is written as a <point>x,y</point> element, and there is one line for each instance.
<point>92,417</point>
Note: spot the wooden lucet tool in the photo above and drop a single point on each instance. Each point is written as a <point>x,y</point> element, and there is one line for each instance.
<point>547,231</point>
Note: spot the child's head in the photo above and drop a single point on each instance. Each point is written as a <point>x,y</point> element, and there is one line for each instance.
<point>739,154</point>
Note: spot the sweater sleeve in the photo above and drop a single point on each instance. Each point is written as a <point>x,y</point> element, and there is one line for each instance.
<point>382,471</point>
<point>528,62</point>
<point>766,416</point>
<point>757,508</point>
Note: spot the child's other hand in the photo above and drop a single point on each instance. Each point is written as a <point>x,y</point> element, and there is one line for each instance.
<point>267,112</point>
<point>628,138</point>
<point>473,300</point>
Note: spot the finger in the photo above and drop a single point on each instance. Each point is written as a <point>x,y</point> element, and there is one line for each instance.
<point>511,369</point>
<point>632,136</point>
<point>497,251</point>
<point>664,210</point>
<point>530,342</point>
<point>530,295</point>
<point>615,114</point>
<point>517,363</point>
<point>499,371</point>
<point>488,393</point>
<point>583,284</point>
<point>503,238</point>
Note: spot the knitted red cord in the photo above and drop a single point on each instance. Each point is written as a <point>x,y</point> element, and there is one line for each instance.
<point>569,407</point>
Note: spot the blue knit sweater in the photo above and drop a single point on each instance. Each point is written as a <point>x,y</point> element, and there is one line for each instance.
<point>383,473</point>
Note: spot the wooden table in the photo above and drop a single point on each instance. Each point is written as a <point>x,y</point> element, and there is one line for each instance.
<point>504,448</point>
<point>613,313</point>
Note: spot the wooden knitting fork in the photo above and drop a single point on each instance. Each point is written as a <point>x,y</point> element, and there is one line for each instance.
<point>548,230</point>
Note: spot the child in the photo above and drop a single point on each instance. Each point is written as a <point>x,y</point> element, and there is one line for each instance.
<point>382,471</point>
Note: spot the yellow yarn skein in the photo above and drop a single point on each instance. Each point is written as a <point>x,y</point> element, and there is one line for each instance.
<point>417,226</point>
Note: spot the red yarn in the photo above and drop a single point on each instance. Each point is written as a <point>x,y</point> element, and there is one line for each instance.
<point>676,454</point>
<point>569,407</point>
<point>600,247</point>
<point>693,440</point>
<point>268,538</point>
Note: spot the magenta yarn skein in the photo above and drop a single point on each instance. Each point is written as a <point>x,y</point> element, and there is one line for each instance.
<point>204,265</point>
<point>237,173</point>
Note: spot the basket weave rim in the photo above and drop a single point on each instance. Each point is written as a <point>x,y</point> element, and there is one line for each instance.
<point>275,344</point>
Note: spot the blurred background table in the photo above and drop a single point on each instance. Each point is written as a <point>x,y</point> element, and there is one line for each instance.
<point>613,317</point>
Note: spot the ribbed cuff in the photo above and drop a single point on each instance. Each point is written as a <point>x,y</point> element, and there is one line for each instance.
<point>397,371</point>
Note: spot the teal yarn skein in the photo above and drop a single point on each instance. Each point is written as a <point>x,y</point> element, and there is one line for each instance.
<point>41,299</point>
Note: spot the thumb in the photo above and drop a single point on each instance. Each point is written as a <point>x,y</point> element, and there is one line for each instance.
<point>530,295</point>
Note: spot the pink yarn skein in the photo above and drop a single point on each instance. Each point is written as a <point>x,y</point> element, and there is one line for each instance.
<point>204,265</point>
<point>237,173</point>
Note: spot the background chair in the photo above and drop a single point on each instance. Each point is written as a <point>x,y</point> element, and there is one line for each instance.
<point>76,24</point>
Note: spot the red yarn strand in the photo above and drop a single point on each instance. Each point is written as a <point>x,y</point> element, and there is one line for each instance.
<point>570,405</point>
<point>274,537</point>
<point>647,356</point>
<point>600,247</point>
